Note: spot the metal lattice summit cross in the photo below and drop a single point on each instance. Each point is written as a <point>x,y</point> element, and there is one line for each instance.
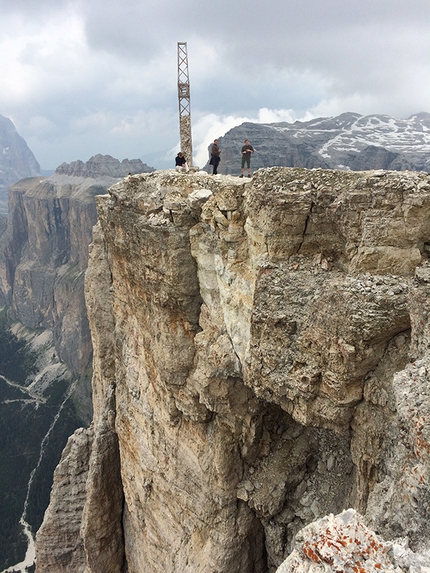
<point>184,103</point>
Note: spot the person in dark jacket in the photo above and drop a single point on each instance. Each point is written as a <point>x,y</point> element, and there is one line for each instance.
<point>180,162</point>
<point>247,149</point>
<point>215,157</point>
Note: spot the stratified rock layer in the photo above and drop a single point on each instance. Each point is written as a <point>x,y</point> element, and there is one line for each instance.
<point>45,250</point>
<point>253,366</point>
<point>46,254</point>
<point>103,166</point>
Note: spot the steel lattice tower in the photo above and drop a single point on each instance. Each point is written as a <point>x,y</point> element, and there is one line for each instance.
<point>184,103</point>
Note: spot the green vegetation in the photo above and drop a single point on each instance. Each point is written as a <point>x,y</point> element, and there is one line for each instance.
<point>16,360</point>
<point>67,423</point>
<point>23,425</point>
<point>17,454</point>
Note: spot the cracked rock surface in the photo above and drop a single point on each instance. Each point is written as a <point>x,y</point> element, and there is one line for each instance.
<point>260,362</point>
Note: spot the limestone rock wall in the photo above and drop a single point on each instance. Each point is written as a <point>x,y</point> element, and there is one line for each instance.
<point>60,545</point>
<point>260,362</point>
<point>46,252</point>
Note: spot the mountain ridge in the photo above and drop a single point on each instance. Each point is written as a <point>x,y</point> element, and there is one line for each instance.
<point>103,166</point>
<point>16,159</point>
<point>349,141</point>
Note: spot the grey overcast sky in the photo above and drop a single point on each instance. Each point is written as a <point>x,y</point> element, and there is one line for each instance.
<point>81,77</point>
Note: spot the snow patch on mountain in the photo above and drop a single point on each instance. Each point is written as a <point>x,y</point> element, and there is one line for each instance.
<point>348,141</point>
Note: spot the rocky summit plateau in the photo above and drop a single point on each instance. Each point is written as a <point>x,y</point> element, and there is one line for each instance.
<point>260,379</point>
<point>349,141</point>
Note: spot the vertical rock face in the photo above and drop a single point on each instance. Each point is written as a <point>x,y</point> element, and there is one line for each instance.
<point>49,230</point>
<point>253,347</point>
<point>43,258</point>
<point>46,250</point>
<point>59,541</point>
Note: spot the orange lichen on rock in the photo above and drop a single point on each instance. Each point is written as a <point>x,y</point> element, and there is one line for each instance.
<point>344,543</point>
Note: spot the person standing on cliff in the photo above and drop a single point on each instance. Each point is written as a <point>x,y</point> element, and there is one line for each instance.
<point>247,149</point>
<point>215,157</point>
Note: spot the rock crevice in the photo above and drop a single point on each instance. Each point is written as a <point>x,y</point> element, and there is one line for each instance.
<point>260,362</point>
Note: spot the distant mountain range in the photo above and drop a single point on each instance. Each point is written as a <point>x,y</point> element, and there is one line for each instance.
<point>100,166</point>
<point>348,141</point>
<point>18,162</point>
<point>16,159</point>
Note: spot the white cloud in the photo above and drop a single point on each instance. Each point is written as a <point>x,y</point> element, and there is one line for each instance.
<point>208,128</point>
<point>84,77</point>
<point>40,58</point>
<point>275,115</point>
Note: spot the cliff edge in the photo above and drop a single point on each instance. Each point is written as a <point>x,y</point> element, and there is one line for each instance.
<point>260,361</point>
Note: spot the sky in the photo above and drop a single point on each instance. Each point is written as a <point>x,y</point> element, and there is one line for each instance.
<point>81,77</point>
